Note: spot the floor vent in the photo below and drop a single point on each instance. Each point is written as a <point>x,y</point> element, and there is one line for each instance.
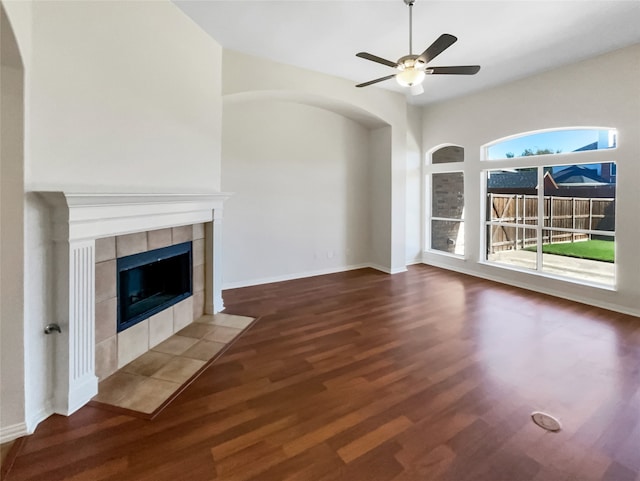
<point>546,421</point>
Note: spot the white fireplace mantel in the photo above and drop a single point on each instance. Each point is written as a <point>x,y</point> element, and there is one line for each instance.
<point>78,220</point>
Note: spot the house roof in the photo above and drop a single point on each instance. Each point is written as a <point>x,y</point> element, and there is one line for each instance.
<point>527,179</point>
<point>578,175</point>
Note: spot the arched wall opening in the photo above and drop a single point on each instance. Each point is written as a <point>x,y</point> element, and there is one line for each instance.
<point>310,178</point>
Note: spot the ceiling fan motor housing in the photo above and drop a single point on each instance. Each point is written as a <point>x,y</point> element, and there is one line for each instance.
<point>411,61</point>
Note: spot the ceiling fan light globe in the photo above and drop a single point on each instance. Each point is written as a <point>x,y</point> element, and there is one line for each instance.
<point>410,77</point>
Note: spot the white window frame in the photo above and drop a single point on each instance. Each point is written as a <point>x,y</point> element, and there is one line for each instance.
<point>442,168</point>
<point>540,162</point>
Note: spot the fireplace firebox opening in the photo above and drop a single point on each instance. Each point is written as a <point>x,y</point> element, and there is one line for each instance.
<point>152,281</point>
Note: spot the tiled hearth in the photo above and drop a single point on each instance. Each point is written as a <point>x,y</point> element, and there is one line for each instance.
<point>145,384</point>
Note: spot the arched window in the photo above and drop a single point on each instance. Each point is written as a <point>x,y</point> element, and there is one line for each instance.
<point>559,141</point>
<point>550,207</point>
<point>445,197</point>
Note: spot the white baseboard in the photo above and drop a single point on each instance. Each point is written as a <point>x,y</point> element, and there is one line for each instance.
<point>551,292</point>
<point>388,270</point>
<point>290,277</point>
<point>15,431</point>
<point>39,416</point>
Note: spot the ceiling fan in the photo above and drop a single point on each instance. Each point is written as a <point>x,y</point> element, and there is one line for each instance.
<point>413,68</point>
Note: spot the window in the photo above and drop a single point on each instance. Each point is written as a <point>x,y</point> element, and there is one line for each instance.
<point>446,201</point>
<point>549,142</point>
<point>447,211</point>
<point>566,228</point>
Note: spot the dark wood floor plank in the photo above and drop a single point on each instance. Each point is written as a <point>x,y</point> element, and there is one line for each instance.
<point>425,375</point>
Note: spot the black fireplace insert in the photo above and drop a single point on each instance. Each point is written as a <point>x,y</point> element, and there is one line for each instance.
<point>151,281</point>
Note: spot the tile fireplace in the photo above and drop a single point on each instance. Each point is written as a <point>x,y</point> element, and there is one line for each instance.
<point>82,221</point>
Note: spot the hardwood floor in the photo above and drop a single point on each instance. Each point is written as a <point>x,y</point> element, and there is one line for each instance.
<point>426,375</point>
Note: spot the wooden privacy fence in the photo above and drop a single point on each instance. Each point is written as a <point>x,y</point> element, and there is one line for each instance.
<point>582,213</point>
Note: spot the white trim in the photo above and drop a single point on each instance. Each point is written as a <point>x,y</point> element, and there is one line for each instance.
<point>387,270</point>
<point>91,216</point>
<point>298,275</point>
<point>42,414</point>
<point>549,291</point>
<point>14,431</point>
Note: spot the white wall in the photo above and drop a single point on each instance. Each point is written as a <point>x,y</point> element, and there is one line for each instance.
<point>300,178</point>
<point>121,96</point>
<point>414,242</point>
<point>329,102</point>
<point>12,352</point>
<point>602,92</point>
<point>125,97</point>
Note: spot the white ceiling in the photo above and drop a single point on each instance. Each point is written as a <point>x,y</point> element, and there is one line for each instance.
<point>510,39</point>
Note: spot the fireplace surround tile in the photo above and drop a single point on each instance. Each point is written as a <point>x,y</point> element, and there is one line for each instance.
<point>105,249</point>
<point>106,357</point>
<point>198,278</point>
<point>106,319</point>
<point>198,251</point>
<point>133,343</point>
<point>157,239</point>
<point>198,304</point>
<point>198,231</point>
<point>182,314</point>
<point>181,234</point>
<point>105,280</point>
<point>160,327</point>
<point>129,244</point>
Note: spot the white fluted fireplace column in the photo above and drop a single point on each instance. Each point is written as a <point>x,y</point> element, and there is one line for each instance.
<point>80,219</point>
<point>213,296</point>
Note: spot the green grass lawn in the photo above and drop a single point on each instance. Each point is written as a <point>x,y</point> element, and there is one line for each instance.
<point>597,250</point>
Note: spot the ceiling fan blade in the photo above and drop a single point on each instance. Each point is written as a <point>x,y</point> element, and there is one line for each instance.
<point>443,42</point>
<point>376,81</point>
<point>375,58</point>
<point>459,70</point>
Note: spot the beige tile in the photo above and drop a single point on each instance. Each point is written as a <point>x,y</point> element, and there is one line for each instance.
<point>198,278</point>
<point>130,244</point>
<point>117,386</point>
<point>158,238</point>
<point>106,319</point>
<point>105,249</point>
<point>182,234</point>
<point>205,319</point>
<point>175,345</point>
<point>222,334</point>
<point>147,364</point>
<point>105,280</point>
<point>230,320</point>
<point>133,342</point>
<point>198,231</point>
<point>198,304</point>
<point>160,327</point>
<point>204,350</point>
<point>179,369</point>
<point>195,330</point>
<point>106,357</point>
<point>149,395</point>
<point>182,314</point>
<point>198,252</point>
